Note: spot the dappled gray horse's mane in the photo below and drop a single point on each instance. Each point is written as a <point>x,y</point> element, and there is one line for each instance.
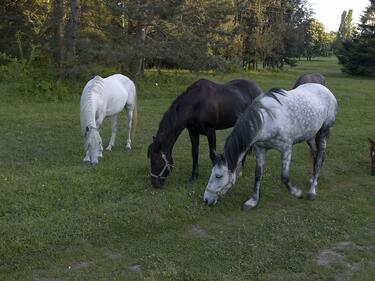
<point>247,127</point>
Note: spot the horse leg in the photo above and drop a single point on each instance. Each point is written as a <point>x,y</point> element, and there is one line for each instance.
<point>260,154</point>
<point>87,157</point>
<point>99,122</point>
<point>286,157</point>
<point>322,143</point>
<point>114,125</point>
<point>313,152</point>
<point>129,119</point>
<point>194,138</point>
<point>211,137</point>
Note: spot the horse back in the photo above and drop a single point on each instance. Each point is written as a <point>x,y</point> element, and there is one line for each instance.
<point>219,105</point>
<point>298,114</point>
<point>119,90</point>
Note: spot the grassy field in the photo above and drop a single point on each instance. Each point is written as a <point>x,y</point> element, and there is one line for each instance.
<point>61,219</point>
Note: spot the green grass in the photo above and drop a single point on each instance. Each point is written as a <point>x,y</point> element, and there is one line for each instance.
<point>63,220</point>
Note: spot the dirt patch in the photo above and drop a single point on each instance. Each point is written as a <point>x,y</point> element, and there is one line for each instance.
<point>328,257</point>
<point>197,230</point>
<point>340,255</point>
<point>135,267</point>
<point>112,255</point>
<point>80,265</point>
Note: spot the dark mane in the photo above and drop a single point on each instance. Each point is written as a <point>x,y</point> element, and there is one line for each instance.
<point>170,116</point>
<point>246,128</point>
<point>169,119</point>
<point>274,92</point>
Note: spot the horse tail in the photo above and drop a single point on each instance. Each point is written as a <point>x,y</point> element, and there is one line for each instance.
<point>135,116</point>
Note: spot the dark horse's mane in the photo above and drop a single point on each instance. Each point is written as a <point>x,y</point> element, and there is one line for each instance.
<point>246,129</point>
<point>170,117</point>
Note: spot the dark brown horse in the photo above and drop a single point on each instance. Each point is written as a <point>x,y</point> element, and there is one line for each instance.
<point>203,108</point>
<point>372,155</point>
<point>310,78</point>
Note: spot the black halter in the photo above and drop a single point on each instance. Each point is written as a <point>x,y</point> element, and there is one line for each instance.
<point>167,166</point>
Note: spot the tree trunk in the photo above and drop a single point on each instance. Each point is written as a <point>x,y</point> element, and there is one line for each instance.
<point>74,24</point>
<point>59,32</point>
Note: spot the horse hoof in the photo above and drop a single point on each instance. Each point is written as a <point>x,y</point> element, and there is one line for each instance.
<point>311,196</point>
<point>191,180</point>
<point>128,147</point>
<point>298,194</point>
<point>249,205</point>
<point>246,207</point>
<point>109,148</point>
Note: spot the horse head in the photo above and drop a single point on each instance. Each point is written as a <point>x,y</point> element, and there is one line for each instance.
<point>161,163</point>
<point>372,155</point>
<point>93,145</point>
<point>220,181</point>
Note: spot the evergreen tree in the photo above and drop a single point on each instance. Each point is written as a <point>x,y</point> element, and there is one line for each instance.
<point>358,56</point>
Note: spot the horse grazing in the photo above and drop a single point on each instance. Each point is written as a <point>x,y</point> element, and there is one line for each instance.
<point>310,78</point>
<point>277,119</point>
<point>203,108</point>
<point>372,155</point>
<point>104,97</point>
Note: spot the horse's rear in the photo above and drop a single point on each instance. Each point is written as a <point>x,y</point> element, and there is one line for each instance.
<point>119,91</point>
<point>310,107</point>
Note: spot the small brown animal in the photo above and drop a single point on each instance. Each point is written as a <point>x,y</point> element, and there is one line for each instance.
<point>372,155</point>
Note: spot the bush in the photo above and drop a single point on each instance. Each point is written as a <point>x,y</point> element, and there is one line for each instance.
<point>35,83</point>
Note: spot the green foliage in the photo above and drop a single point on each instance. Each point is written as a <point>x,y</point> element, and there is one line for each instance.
<point>346,28</point>
<point>317,41</point>
<point>37,84</point>
<point>134,35</point>
<point>358,56</point>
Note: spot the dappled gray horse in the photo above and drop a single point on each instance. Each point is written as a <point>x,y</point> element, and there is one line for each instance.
<point>277,119</point>
<point>310,78</point>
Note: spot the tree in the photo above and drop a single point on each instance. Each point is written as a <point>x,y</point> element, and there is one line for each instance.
<point>358,56</point>
<point>346,28</point>
<point>317,41</point>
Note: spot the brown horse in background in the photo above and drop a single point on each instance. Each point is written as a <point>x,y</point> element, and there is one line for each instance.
<point>310,78</point>
<point>372,155</point>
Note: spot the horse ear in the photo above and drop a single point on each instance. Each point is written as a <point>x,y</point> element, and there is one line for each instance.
<point>218,157</point>
<point>153,138</point>
<point>371,141</point>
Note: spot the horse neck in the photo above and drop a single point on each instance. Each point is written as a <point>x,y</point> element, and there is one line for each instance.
<point>169,131</point>
<point>242,137</point>
<point>92,103</point>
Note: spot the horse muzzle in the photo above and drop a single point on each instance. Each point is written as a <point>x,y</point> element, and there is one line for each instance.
<point>157,182</point>
<point>210,198</point>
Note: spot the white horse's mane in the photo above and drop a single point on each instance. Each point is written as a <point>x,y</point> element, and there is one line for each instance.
<point>93,88</point>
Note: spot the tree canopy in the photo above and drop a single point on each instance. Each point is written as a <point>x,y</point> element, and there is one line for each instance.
<point>134,34</point>
<point>357,56</point>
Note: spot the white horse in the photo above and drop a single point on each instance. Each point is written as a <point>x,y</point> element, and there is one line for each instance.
<point>104,97</point>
